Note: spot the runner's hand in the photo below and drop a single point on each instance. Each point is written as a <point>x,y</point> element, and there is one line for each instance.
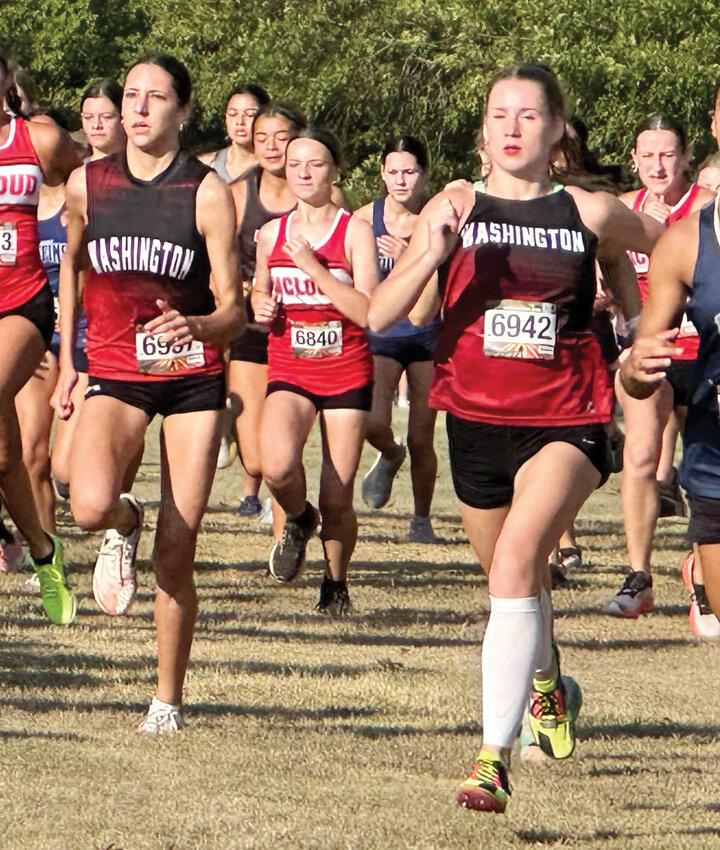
<point>302,255</point>
<point>443,226</point>
<point>61,400</point>
<point>645,367</point>
<point>657,208</point>
<point>391,246</point>
<point>265,307</point>
<point>170,326</point>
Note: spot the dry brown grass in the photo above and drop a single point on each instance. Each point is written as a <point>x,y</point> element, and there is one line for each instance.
<point>311,733</point>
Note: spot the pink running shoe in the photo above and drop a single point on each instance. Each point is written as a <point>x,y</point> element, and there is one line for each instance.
<point>13,558</point>
<point>702,620</point>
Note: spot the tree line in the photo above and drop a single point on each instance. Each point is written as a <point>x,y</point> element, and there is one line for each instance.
<point>370,69</point>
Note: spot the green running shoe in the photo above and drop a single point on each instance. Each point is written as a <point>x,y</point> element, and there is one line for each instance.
<point>549,724</point>
<point>59,603</point>
<point>487,788</point>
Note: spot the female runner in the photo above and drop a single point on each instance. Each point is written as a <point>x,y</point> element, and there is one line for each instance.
<point>235,160</point>
<point>100,112</point>
<point>403,347</point>
<point>150,224</point>
<point>524,386</point>
<point>649,487</point>
<point>686,262</point>
<point>260,197</point>
<point>30,154</point>
<point>316,269</point>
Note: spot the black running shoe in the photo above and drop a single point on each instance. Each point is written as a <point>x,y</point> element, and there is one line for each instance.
<point>334,598</point>
<point>288,554</point>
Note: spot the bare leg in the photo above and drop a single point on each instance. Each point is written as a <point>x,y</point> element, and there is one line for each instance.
<point>421,433</point>
<point>35,417</point>
<point>64,431</point>
<point>21,350</point>
<point>342,433</point>
<point>189,447</point>
<point>247,383</point>
<point>379,424</point>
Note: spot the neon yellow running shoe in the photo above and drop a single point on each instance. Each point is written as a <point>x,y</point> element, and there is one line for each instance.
<point>487,788</point>
<point>58,601</point>
<point>551,718</point>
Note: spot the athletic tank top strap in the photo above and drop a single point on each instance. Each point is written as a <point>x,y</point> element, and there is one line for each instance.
<point>378,222</point>
<point>683,207</point>
<point>639,201</point>
<point>219,164</point>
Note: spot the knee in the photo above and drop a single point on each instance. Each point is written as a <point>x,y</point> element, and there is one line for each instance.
<point>420,447</point>
<point>90,514</point>
<point>640,457</point>
<point>277,473</point>
<point>36,457</point>
<point>337,506</point>
<point>174,558</point>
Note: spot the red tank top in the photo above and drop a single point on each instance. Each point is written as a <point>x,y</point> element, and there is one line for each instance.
<point>312,344</point>
<point>21,271</point>
<point>518,290</point>
<point>688,338</point>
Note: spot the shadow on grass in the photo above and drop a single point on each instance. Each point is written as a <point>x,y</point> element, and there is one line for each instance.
<point>19,734</point>
<point>259,632</point>
<point>320,671</point>
<point>651,643</point>
<point>640,729</point>
<point>543,836</point>
<point>282,712</point>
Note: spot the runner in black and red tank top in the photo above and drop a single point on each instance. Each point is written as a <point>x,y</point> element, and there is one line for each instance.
<point>261,196</point>
<point>525,390</point>
<point>649,485</point>
<point>315,272</point>
<point>30,153</point>
<point>149,224</point>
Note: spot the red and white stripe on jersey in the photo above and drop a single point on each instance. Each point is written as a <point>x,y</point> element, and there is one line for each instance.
<point>302,302</point>
<point>21,272</point>
<point>688,338</point>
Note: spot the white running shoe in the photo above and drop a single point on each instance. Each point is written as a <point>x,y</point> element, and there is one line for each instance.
<point>114,581</point>
<point>635,597</point>
<point>161,719</point>
<point>266,514</point>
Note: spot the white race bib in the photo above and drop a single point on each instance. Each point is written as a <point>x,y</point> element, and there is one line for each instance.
<point>318,339</point>
<point>154,355</point>
<point>522,329</point>
<point>8,243</point>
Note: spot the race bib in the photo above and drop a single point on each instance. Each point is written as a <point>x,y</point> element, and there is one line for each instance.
<point>523,329</point>
<point>320,339</point>
<point>8,243</point>
<point>154,355</point>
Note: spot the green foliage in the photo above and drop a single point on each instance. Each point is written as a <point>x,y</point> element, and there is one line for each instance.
<point>370,69</point>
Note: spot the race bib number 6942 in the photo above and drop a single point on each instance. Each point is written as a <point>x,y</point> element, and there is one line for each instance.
<point>520,329</point>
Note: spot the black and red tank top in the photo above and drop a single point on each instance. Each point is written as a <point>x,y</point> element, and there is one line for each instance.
<point>517,296</point>
<point>143,245</point>
<point>254,217</point>
<point>688,338</point>
<point>312,344</point>
<point>21,271</point>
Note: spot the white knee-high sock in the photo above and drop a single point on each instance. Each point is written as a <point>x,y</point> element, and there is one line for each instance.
<point>545,660</point>
<point>509,653</point>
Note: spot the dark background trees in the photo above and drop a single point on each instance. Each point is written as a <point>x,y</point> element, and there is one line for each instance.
<point>370,68</point>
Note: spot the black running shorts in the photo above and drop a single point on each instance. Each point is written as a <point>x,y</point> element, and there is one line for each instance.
<point>484,458</point>
<point>164,398</point>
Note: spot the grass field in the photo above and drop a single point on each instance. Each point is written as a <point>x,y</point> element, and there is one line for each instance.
<point>307,732</point>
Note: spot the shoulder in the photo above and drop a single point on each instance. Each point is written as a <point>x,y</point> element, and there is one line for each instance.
<point>208,158</point>
<point>359,227</point>
<point>461,197</point>
<point>629,198</point>
<point>702,196</point>
<point>597,210</point>
<point>212,189</point>
<point>365,213</point>
<point>269,232</point>
<point>45,136</point>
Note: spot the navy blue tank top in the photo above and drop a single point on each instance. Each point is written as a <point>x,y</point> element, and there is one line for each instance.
<point>403,328</point>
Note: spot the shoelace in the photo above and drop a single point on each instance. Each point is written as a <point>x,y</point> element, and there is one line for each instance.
<point>487,772</point>
<point>114,542</point>
<point>160,719</point>
<point>547,705</point>
<point>50,579</point>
